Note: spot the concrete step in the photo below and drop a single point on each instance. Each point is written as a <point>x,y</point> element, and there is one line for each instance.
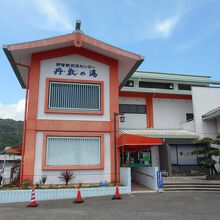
<point>192,186</point>
<point>179,189</point>
<point>192,183</point>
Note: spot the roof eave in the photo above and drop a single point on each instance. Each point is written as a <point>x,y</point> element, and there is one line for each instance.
<point>13,65</point>
<point>180,80</point>
<point>176,74</point>
<point>210,116</point>
<point>134,68</point>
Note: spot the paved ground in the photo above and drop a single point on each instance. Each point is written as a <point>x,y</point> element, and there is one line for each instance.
<point>138,188</point>
<point>163,206</point>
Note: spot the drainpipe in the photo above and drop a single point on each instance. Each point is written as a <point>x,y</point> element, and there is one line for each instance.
<point>25,120</point>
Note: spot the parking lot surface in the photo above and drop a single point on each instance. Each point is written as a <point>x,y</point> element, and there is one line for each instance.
<point>163,206</point>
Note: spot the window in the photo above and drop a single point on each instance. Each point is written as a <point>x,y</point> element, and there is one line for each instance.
<point>73,151</point>
<point>155,85</point>
<point>129,83</point>
<point>189,116</point>
<point>135,109</point>
<point>74,96</point>
<point>184,87</point>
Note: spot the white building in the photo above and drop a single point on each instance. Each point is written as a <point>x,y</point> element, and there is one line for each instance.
<point>171,107</point>
<point>76,86</point>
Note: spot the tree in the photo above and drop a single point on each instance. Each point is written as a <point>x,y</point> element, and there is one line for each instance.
<point>66,176</point>
<point>10,133</point>
<point>205,159</point>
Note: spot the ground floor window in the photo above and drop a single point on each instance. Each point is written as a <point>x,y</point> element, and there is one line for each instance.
<point>73,152</point>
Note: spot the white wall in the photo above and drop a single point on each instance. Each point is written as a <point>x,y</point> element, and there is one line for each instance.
<point>188,125</point>
<point>7,172</point>
<point>47,71</point>
<point>83,176</point>
<point>204,100</point>
<point>218,125</point>
<point>216,158</point>
<point>133,120</point>
<point>7,167</point>
<point>169,113</point>
<point>125,176</point>
<point>146,176</point>
<point>155,156</point>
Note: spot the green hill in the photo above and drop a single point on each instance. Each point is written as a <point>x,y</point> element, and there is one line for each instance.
<point>10,133</point>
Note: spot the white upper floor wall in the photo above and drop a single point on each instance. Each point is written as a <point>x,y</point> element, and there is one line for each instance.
<point>205,100</point>
<point>47,69</point>
<point>133,120</point>
<point>170,113</point>
<point>218,125</point>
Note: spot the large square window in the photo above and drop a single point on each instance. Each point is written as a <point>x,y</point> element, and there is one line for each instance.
<point>74,96</point>
<point>73,151</point>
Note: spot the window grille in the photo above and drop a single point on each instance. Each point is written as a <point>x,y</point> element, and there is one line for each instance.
<point>72,151</point>
<point>74,96</point>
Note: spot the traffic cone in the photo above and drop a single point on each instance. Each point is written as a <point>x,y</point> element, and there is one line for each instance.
<point>117,194</point>
<point>33,201</point>
<point>78,196</point>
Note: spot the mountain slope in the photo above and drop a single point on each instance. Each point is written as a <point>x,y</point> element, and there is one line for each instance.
<point>10,133</point>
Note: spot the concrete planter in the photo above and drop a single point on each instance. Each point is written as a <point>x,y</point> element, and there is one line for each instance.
<point>10,196</point>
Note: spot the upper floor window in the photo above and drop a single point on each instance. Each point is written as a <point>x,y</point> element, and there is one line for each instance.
<point>74,97</point>
<point>155,85</point>
<point>129,83</point>
<point>134,109</point>
<point>184,87</point>
<point>189,116</point>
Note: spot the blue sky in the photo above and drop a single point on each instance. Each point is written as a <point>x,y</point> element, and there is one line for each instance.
<point>179,36</point>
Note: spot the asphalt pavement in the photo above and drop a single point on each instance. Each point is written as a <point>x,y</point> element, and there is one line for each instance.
<point>150,206</point>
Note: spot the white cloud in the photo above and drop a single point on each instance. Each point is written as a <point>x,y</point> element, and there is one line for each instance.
<point>165,27</point>
<point>54,15</point>
<point>13,111</point>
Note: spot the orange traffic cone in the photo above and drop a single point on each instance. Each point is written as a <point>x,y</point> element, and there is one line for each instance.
<point>33,201</point>
<point>117,194</point>
<point>78,196</point>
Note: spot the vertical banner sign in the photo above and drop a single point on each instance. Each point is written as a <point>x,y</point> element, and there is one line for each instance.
<point>159,179</point>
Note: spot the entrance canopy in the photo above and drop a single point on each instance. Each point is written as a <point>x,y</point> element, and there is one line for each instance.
<point>135,142</point>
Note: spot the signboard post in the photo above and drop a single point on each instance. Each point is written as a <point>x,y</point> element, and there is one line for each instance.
<point>160,181</point>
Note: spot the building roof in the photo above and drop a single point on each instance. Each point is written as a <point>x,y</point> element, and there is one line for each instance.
<point>21,53</point>
<point>212,114</point>
<point>161,133</point>
<point>12,150</point>
<point>174,77</point>
<point>152,90</point>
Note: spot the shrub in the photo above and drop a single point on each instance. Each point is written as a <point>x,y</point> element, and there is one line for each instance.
<point>66,176</point>
<point>37,185</point>
<point>43,180</point>
<point>26,183</point>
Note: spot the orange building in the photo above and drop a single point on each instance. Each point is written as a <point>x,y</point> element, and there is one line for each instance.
<point>72,87</point>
